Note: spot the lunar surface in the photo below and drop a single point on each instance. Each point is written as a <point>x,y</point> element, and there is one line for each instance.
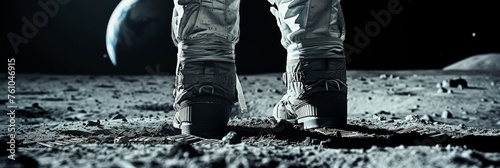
<point>427,118</point>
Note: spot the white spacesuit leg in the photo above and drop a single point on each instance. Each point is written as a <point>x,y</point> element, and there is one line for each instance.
<point>312,33</point>
<point>205,33</point>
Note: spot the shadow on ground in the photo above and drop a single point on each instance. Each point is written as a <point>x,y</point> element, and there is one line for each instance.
<point>354,136</point>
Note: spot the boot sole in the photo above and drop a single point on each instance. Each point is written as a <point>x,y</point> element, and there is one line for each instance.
<point>207,119</point>
<point>331,112</point>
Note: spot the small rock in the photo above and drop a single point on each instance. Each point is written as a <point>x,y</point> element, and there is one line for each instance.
<point>117,117</point>
<point>274,91</point>
<point>449,91</point>
<point>411,118</point>
<point>455,83</point>
<point>439,85</point>
<point>492,84</point>
<point>92,123</point>
<point>380,118</point>
<point>446,114</point>
<point>231,138</point>
<point>122,140</point>
<point>462,126</point>
<point>484,100</point>
<point>321,143</point>
<point>383,112</point>
<point>183,150</point>
<point>383,76</point>
<point>442,90</point>
<point>498,122</point>
<point>445,83</point>
<point>70,108</point>
<point>259,90</point>
<point>338,134</point>
<point>427,118</point>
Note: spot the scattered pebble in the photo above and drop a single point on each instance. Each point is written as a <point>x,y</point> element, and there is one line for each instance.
<point>484,100</point>
<point>383,76</point>
<point>411,118</point>
<point>442,90</point>
<point>446,114</point>
<point>379,118</point>
<point>462,126</point>
<point>35,105</point>
<point>70,108</point>
<point>427,118</point>
<point>231,138</point>
<point>122,140</point>
<point>183,150</point>
<point>93,123</point>
<point>492,84</point>
<point>498,122</point>
<point>454,83</point>
<point>274,91</point>
<point>383,113</point>
<point>439,85</point>
<point>449,91</point>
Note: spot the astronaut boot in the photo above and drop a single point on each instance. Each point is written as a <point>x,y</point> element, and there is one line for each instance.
<point>316,94</point>
<point>205,95</point>
<point>315,75</point>
<point>205,33</point>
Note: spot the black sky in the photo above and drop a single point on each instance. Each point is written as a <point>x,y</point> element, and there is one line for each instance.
<point>426,34</point>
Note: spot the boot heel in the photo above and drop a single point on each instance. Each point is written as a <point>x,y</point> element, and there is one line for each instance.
<point>315,122</point>
<point>329,111</point>
<point>205,119</point>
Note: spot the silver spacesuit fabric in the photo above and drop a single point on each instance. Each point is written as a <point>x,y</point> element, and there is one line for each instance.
<point>205,33</point>
<point>310,28</point>
<point>208,30</point>
<point>206,24</point>
<point>312,32</point>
